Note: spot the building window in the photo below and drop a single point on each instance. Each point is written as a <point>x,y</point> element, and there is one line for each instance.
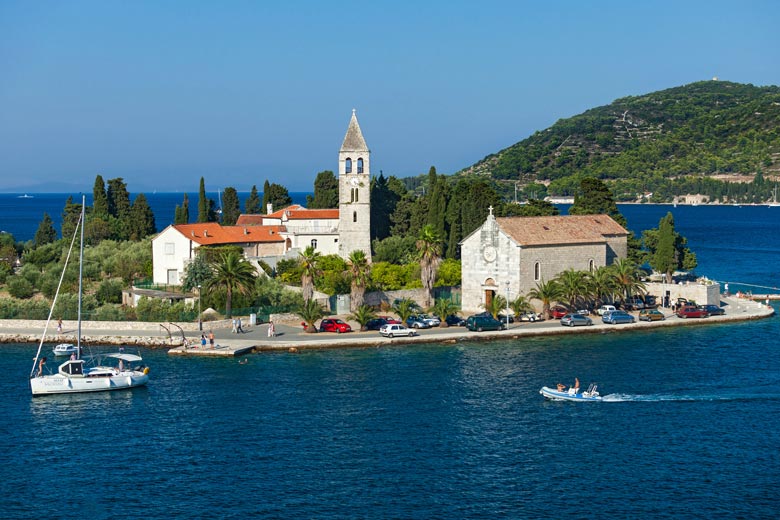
<point>354,216</point>
<point>352,195</point>
<point>314,243</point>
<point>169,248</point>
<point>356,194</point>
<point>360,165</point>
<point>537,272</point>
<point>348,165</point>
<point>591,265</point>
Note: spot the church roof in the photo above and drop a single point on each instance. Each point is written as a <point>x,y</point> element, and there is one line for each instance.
<point>560,229</point>
<point>293,212</point>
<point>212,233</point>
<point>353,141</point>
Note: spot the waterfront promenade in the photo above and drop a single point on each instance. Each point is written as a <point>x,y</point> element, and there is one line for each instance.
<point>291,337</point>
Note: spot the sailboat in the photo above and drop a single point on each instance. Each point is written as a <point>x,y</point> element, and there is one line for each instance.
<point>115,371</point>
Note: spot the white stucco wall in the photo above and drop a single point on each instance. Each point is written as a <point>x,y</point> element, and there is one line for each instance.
<point>170,251</point>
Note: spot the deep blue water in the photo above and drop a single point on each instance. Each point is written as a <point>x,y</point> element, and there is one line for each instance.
<point>438,431</point>
<point>21,216</point>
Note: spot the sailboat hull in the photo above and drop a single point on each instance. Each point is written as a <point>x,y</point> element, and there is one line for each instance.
<point>60,384</point>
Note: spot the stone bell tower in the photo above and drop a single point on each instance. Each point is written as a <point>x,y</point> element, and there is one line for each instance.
<point>354,192</point>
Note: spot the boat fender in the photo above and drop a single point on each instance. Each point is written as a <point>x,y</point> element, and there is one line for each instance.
<point>146,370</point>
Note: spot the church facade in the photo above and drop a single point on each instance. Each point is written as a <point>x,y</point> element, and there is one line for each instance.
<point>508,256</point>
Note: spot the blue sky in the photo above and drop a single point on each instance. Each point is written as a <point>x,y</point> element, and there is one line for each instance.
<point>162,93</point>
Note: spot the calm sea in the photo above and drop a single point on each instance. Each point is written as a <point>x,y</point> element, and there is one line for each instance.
<point>21,213</point>
<point>688,429</point>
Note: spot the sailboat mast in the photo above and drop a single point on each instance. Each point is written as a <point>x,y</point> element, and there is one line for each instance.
<point>81,273</point>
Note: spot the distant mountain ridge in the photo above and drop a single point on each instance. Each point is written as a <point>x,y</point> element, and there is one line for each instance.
<point>709,128</point>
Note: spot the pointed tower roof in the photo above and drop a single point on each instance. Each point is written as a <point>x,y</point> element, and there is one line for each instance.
<point>353,141</point>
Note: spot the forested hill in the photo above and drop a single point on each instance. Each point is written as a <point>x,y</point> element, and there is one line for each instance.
<point>643,143</point>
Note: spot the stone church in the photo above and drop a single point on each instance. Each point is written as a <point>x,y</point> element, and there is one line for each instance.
<point>284,232</point>
<point>509,255</point>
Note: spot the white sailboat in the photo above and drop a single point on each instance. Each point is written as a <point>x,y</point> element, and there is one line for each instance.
<point>104,372</point>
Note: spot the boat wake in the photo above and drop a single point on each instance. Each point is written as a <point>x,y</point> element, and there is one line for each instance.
<point>623,398</point>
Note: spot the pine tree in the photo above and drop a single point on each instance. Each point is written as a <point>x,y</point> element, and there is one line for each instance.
<point>70,217</point>
<point>231,207</point>
<point>326,191</point>
<point>203,203</point>
<point>46,233</point>
<point>252,204</point>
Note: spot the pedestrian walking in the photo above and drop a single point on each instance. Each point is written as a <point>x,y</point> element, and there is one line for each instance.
<point>238,326</point>
<point>234,329</point>
<point>271,329</point>
<point>211,338</point>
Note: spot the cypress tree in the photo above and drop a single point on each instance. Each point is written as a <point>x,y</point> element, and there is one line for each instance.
<point>266,196</point>
<point>99,198</point>
<point>231,207</point>
<point>326,191</point>
<point>203,203</point>
<point>182,213</point>
<point>252,204</point>
<point>142,222</point>
<point>665,258</point>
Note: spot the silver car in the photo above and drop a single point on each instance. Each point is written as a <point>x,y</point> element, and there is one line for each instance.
<point>395,329</point>
<point>573,320</point>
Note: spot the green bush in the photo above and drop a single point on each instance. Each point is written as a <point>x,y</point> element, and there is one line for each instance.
<point>109,291</point>
<point>21,288</point>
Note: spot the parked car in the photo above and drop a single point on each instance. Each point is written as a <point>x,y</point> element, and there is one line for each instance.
<point>430,319</point>
<point>480,322</point>
<point>334,325</point>
<point>502,318</point>
<point>713,310</point>
<point>651,315</point>
<point>391,330</point>
<point>584,312</point>
<point>378,322</point>
<point>455,321</point>
<point>558,312</point>
<point>416,321</point>
<point>691,311</point>
<point>634,304</point>
<point>616,317</point>
<point>574,320</point>
<point>390,319</point>
<point>530,316</point>
<point>605,309</point>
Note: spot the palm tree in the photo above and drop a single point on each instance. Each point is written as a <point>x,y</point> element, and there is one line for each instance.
<point>310,311</point>
<point>627,277</point>
<point>429,254</point>
<point>360,273</point>
<point>602,285</point>
<point>547,293</point>
<point>363,315</point>
<point>520,305</point>
<point>496,305</point>
<point>573,285</point>
<point>405,307</point>
<point>231,273</point>
<point>310,270</point>
<point>442,308</point>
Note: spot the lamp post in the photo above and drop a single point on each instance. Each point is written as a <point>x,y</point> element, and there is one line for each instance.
<point>200,321</point>
<point>507,304</point>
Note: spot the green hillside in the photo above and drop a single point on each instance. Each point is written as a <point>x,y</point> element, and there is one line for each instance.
<point>688,139</point>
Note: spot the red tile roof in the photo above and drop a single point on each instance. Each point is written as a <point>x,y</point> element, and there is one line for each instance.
<point>212,233</point>
<point>298,212</point>
<point>560,229</point>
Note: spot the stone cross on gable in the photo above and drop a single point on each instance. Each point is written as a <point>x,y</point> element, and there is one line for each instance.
<point>490,209</point>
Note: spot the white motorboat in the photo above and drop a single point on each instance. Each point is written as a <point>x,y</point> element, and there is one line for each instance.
<point>65,349</point>
<point>79,374</point>
<point>591,394</point>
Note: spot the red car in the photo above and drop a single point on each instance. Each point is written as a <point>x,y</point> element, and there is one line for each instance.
<point>390,320</point>
<point>691,311</point>
<point>334,325</point>
<point>558,312</point>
